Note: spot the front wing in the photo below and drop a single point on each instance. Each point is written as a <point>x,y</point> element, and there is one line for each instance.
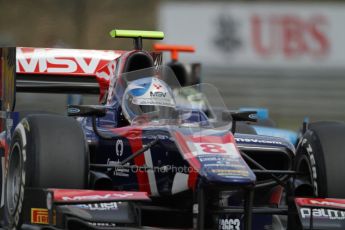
<point>90,209</point>
<point>81,209</point>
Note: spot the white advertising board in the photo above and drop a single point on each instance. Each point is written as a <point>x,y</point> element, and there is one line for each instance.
<point>258,35</point>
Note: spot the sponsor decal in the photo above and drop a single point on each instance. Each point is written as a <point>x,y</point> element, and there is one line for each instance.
<point>99,206</point>
<point>300,36</point>
<point>323,213</point>
<point>107,196</point>
<point>119,147</point>
<point>40,216</point>
<point>227,40</point>
<point>253,116</point>
<point>257,141</point>
<point>229,224</point>
<point>79,195</point>
<point>310,153</point>
<point>225,159</point>
<point>205,159</point>
<point>230,172</point>
<point>20,196</point>
<point>97,224</point>
<point>159,136</point>
<point>154,93</point>
<point>72,61</point>
<point>73,110</point>
<point>157,94</point>
<point>157,86</point>
<point>122,172</point>
<point>222,164</point>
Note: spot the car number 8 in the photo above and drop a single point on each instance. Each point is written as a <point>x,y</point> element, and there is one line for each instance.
<point>212,148</point>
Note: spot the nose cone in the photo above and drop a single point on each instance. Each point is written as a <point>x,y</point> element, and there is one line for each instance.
<point>226,170</point>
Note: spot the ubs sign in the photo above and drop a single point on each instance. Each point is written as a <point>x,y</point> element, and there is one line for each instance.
<point>264,35</point>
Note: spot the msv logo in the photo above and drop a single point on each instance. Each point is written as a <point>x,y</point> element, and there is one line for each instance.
<point>97,197</point>
<point>157,94</point>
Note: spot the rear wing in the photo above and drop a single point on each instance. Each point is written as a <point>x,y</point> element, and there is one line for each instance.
<point>52,70</point>
<point>60,70</point>
<point>55,70</point>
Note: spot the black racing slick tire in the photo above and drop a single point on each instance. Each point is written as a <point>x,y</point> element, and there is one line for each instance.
<point>47,151</point>
<point>321,156</point>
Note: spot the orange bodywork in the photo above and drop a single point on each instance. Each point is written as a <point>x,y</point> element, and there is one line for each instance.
<point>174,49</point>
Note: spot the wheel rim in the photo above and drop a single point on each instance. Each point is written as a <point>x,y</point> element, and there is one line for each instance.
<point>13,185</point>
<point>304,167</point>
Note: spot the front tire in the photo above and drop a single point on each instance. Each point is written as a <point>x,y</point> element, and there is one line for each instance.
<point>321,156</point>
<point>47,151</point>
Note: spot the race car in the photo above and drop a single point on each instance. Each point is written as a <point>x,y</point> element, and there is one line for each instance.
<point>146,159</point>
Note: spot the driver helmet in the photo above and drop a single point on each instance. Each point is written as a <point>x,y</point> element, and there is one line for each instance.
<point>149,95</point>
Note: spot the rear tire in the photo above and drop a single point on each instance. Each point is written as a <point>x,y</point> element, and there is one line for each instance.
<point>321,154</point>
<point>47,151</point>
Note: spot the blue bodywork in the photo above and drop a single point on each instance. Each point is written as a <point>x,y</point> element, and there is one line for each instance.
<point>276,132</point>
<point>263,114</point>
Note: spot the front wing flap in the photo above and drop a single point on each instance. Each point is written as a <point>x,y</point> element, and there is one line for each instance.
<point>317,213</point>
